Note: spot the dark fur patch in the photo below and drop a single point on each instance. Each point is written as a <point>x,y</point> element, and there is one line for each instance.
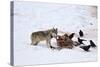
<point>64,42</point>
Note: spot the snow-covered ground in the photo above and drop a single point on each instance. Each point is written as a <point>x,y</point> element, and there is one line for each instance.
<point>33,16</point>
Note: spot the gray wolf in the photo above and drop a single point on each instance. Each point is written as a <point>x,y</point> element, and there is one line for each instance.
<point>47,35</point>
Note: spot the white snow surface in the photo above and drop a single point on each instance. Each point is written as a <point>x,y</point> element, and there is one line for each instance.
<point>33,16</point>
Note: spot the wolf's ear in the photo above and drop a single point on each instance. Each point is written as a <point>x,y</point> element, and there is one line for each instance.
<point>56,29</point>
<point>53,28</point>
<point>71,35</point>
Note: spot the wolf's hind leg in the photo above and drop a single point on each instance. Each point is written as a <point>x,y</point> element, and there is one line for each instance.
<point>34,43</point>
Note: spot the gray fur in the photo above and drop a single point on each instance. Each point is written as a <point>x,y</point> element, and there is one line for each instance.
<point>47,35</point>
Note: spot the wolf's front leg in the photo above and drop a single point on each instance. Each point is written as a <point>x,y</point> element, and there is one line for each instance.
<point>49,44</point>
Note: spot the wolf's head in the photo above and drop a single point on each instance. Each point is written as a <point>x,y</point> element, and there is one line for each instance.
<point>54,32</point>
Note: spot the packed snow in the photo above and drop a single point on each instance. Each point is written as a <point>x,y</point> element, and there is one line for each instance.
<point>33,16</point>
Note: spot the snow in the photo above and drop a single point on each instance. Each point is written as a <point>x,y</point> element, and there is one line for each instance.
<point>33,16</point>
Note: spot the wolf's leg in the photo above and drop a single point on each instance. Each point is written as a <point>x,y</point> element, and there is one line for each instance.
<point>49,44</point>
<point>34,43</point>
